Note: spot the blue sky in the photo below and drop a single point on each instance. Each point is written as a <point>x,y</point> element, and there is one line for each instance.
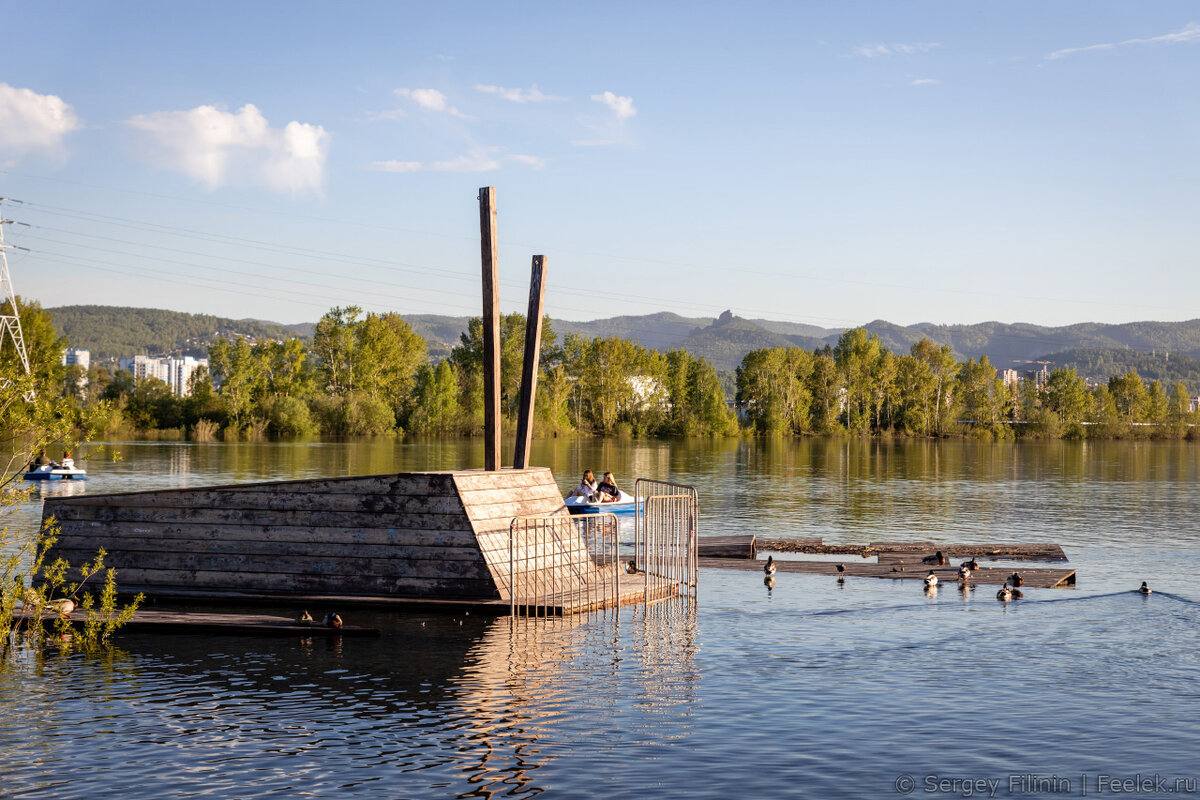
<point>826,163</point>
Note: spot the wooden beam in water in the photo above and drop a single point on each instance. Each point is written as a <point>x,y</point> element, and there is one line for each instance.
<point>1044,551</point>
<point>727,546</point>
<point>1039,578</point>
<point>529,368</point>
<point>491,328</point>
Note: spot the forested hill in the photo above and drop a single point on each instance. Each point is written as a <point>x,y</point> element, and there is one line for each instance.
<point>1095,349</point>
<point>112,331</point>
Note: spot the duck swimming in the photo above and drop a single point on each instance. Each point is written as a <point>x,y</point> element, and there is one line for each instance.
<point>333,620</point>
<point>1005,594</point>
<point>931,580</point>
<point>305,618</point>
<point>964,573</point>
<point>1016,580</point>
<point>1145,589</point>
<point>770,566</point>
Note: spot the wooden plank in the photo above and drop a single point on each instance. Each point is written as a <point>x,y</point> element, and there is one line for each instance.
<point>1043,551</point>
<point>743,546</point>
<point>489,254</point>
<point>540,491</point>
<point>529,365</point>
<point>346,566</point>
<point>349,537</point>
<point>518,507</point>
<point>146,544</point>
<point>403,483</point>
<point>465,481</point>
<point>1037,578</point>
<point>289,501</point>
<point>236,516</point>
<point>152,581</point>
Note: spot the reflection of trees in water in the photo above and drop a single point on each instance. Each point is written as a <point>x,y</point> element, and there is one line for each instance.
<point>530,684</point>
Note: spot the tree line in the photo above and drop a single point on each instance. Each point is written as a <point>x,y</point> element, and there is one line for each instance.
<point>369,375</point>
<point>858,386</point>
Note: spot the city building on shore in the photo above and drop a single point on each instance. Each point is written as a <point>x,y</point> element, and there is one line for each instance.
<point>175,372</point>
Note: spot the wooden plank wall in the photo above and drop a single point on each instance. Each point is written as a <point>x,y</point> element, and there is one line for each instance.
<point>493,499</point>
<point>403,535</point>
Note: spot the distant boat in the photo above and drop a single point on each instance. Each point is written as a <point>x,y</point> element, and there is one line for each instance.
<point>52,473</point>
<point>624,504</point>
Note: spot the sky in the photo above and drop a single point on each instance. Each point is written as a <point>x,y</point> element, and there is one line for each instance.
<point>828,163</point>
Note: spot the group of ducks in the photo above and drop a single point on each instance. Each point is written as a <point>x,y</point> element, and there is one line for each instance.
<point>332,620</point>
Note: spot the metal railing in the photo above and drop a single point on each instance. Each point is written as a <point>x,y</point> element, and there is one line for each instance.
<point>561,564</point>
<point>665,537</point>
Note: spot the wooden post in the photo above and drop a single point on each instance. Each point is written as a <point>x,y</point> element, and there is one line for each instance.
<point>491,328</point>
<point>529,368</point>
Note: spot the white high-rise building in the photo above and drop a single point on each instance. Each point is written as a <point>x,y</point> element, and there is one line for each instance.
<point>77,355</point>
<point>175,372</point>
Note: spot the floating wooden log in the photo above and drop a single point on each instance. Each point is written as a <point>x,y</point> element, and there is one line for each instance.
<point>1037,578</point>
<point>1026,551</point>
<point>742,546</point>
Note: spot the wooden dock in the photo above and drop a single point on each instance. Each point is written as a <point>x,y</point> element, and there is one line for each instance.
<point>993,550</point>
<point>191,622</point>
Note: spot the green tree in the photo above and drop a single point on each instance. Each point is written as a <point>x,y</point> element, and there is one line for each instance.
<point>334,343</point>
<point>944,368</point>
<point>436,409</point>
<point>1067,397</point>
<point>1129,395</point>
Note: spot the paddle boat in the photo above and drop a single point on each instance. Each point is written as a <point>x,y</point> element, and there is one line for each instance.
<point>624,504</point>
<point>49,472</point>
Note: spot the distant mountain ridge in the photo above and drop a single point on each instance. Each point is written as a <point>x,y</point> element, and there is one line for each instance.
<point>114,331</point>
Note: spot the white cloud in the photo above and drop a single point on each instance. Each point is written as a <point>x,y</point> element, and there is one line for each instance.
<point>431,100</point>
<point>220,148</point>
<point>622,107</point>
<point>480,159</point>
<point>32,122</point>
<point>530,95</point>
<point>925,82</point>
<point>1188,33</point>
<point>899,49</point>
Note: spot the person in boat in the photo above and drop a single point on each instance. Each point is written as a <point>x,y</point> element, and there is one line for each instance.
<point>67,462</point>
<point>586,488</point>
<point>40,461</point>
<point>608,491</point>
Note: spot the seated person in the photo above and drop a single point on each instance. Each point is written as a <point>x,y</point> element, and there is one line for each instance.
<point>609,493</point>
<point>586,488</point>
<point>41,461</point>
<point>67,461</point>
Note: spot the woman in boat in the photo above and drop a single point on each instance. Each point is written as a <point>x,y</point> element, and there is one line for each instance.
<point>609,493</point>
<point>67,461</point>
<point>586,488</point>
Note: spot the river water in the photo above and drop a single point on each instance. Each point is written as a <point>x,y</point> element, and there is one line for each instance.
<point>813,689</point>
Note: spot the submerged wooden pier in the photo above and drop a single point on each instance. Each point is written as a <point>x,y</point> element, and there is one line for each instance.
<point>896,560</point>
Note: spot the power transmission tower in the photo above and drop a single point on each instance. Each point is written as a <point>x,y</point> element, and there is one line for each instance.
<point>11,322</point>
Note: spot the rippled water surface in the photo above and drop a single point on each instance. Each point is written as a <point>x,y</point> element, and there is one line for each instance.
<point>813,689</point>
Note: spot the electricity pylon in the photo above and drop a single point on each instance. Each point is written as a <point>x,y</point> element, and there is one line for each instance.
<point>10,323</point>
